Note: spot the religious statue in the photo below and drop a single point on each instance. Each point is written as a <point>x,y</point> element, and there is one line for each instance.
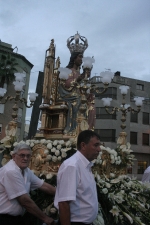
<point>66,103</point>
<point>10,131</point>
<point>69,90</point>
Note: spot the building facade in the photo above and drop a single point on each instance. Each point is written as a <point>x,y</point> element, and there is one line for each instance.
<point>23,66</point>
<point>137,125</point>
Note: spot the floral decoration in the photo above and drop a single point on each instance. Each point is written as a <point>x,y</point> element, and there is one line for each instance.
<point>122,200</point>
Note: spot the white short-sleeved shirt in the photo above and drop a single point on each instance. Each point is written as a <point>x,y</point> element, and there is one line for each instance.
<point>146,175</point>
<point>75,183</point>
<point>14,184</point>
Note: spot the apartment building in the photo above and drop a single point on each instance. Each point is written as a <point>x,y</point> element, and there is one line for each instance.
<point>22,66</point>
<point>137,124</point>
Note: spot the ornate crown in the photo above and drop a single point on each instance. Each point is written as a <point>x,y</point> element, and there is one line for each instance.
<point>76,46</point>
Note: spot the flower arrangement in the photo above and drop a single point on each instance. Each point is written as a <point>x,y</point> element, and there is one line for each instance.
<point>56,151</point>
<point>122,200</point>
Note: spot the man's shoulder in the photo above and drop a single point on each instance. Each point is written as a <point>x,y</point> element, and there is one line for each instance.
<point>9,166</point>
<point>73,161</point>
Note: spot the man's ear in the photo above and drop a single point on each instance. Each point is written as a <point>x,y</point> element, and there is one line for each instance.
<point>82,146</point>
<point>13,156</point>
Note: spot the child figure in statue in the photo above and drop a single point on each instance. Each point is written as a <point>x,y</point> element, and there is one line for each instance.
<point>71,94</point>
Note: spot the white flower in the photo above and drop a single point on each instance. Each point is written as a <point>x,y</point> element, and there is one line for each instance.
<point>108,185</point>
<point>49,176</point>
<point>57,152</point>
<point>112,161</point>
<point>53,210</point>
<point>27,143</point>
<point>21,142</point>
<point>49,146</point>
<point>112,157</point>
<point>67,149</point>
<point>112,175</point>
<point>59,158</point>
<point>63,150</point>
<point>46,151</point>
<point>115,181</point>
<point>122,146</point>
<point>53,149</point>
<point>55,142</point>
<point>105,190</point>
<point>68,143</point>
<point>115,211</point>
<point>48,157</point>
<point>32,144</point>
<point>42,141</point>
<point>61,142</point>
<point>16,143</point>
<point>64,154</point>
<point>54,158</point>
<point>98,177</point>
<point>128,217</point>
<point>58,147</point>
<point>100,220</point>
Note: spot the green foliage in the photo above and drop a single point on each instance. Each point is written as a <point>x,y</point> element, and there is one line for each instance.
<point>7,69</point>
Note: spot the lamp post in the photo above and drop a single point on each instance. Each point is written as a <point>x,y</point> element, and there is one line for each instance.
<point>124,108</point>
<point>18,86</point>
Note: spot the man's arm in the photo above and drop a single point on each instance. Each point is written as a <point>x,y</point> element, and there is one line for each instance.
<point>26,202</point>
<point>64,212</point>
<point>49,189</point>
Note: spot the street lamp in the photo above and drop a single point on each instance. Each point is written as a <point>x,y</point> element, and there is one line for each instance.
<point>18,86</point>
<point>124,108</point>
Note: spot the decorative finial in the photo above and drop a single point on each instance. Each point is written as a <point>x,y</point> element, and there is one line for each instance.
<point>76,46</point>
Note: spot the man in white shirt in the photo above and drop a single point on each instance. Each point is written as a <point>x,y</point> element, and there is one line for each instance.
<point>146,175</point>
<point>76,195</point>
<point>16,180</point>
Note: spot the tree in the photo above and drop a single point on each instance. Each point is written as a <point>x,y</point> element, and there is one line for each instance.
<point>7,69</point>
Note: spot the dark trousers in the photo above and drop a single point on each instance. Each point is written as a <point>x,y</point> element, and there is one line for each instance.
<point>27,219</point>
<point>75,223</point>
<point>6,219</point>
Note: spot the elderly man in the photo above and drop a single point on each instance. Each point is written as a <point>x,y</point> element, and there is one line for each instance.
<point>16,180</point>
<point>76,195</point>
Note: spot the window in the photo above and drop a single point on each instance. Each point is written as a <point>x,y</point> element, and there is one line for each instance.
<point>0,128</point>
<point>102,114</point>
<point>133,138</point>
<point>111,93</point>
<point>145,118</point>
<point>140,87</point>
<point>1,108</point>
<point>145,139</point>
<point>106,135</point>
<point>134,117</point>
<point>142,165</point>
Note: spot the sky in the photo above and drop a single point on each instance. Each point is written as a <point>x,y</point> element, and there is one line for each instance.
<point>118,33</point>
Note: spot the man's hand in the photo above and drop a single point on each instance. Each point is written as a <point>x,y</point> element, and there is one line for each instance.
<point>32,208</point>
<point>49,221</point>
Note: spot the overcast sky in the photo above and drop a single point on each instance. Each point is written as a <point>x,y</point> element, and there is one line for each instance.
<point>118,32</point>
